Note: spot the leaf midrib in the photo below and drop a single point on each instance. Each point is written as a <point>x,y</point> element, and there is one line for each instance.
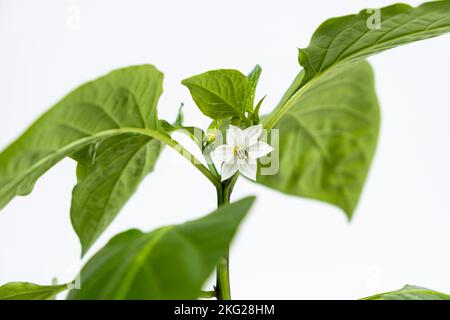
<point>71,146</point>
<point>115,183</point>
<point>343,57</point>
<point>139,259</point>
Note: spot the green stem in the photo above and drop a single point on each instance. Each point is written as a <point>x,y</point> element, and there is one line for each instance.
<point>177,147</point>
<point>210,163</point>
<point>290,98</point>
<point>223,291</point>
<point>224,189</point>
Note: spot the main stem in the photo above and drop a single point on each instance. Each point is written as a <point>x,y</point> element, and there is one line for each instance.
<point>223,291</point>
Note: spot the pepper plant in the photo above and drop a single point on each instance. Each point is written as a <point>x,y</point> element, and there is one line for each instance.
<point>327,127</point>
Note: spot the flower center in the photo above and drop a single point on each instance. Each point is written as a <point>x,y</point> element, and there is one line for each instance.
<point>240,153</point>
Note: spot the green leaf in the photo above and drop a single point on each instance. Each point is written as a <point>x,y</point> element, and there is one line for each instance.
<point>328,138</point>
<point>107,125</point>
<point>222,93</point>
<point>326,154</point>
<point>409,292</point>
<point>106,182</point>
<point>342,40</point>
<point>345,39</point>
<point>180,117</point>
<point>253,77</point>
<point>29,291</point>
<point>172,262</point>
<point>256,112</point>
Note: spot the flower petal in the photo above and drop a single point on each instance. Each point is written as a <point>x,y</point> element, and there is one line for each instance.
<point>251,134</point>
<point>233,135</point>
<point>228,170</point>
<point>259,149</point>
<point>248,169</point>
<point>223,153</point>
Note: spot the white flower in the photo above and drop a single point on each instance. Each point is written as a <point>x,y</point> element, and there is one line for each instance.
<point>241,151</point>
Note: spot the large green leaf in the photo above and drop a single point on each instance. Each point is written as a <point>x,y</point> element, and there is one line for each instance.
<point>344,39</point>
<point>172,262</point>
<point>222,93</point>
<point>29,291</point>
<point>107,180</point>
<point>333,165</point>
<point>409,292</point>
<point>347,39</point>
<point>107,125</point>
<point>328,138</point>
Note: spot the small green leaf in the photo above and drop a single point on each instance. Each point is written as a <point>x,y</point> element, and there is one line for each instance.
<point>104,125</point>
<point>409,292</point>
<point>180,117</point>
<point>328,138</point>
<point>256,112</point>
<point>253,77</point>
<point>221,94</point>
<point>29,291</point>
<point>172,262</point>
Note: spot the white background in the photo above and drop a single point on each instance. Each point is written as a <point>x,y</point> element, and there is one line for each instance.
<point>288,247</point>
